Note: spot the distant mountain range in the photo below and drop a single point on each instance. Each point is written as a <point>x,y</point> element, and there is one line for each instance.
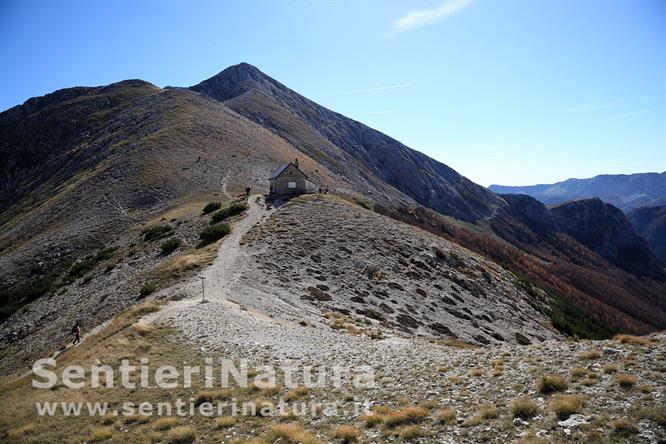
<point>625,191</point>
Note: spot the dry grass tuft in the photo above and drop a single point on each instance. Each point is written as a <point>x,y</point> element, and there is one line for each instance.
<point>137,419</point>
<point>477,372</point>
<point>472,421</point>
<point>224,422</point>
<point>578,372</point>
<point>623,427</point>
<point>109,419</point>
<point>631,339</point>
<point>411,432</point>
<point>645,388</point>
<point>271,391</point>
<point>165,423</point>
<point>297,393</point>
<point>211,396</point>
<point>371,418</point>
<point>551,383</point>
<point>290,433</point>
<point>346,434</point>
<point>625,380</point>
<point>263,407</point>
<point>446,415</point>
<point>20,432</point>
<point>405,415</point>
<point>591,354</point>
<point>566,405</point>
<point>181,435</point>
<point>101,434</point>
<point>524,408</point>
<point>610,368</point>
<point>489,411</point>
<point>656,414</point>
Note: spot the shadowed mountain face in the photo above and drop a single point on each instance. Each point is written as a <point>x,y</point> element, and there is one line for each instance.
<point>625,191</point>
<point>605,230</point>
<point>348,147</point>
<point>650,223</point>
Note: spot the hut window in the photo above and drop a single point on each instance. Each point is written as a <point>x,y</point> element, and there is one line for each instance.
<point>291,184</point>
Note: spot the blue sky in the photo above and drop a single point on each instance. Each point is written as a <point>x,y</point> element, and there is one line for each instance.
<point>510,92</point>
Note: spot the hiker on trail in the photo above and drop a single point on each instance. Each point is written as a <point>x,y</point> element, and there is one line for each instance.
<point>77,333</point>
<point>247,190</point>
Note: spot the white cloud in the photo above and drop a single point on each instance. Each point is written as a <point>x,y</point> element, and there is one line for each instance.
<point>425,17</point>
<point>629,114</point>
<point>379,88</point>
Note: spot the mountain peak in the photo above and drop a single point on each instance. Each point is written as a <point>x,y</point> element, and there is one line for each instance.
<point>236,80</point>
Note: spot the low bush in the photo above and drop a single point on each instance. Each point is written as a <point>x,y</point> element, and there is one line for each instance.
<point>171,245</point>
<point>229,211</point>
<point>157,232</point>
<point>81,268</point>
<point>147,289</point>
<point>575,322</point>
<point>215,232</point>
<point>104,254</point>
<point>210,207</point>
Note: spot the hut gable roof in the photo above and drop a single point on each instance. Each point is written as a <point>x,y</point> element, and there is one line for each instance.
<point>283,168</point>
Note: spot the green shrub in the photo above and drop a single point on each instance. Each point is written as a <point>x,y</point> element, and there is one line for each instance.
<point>215,232</point>
<point>106,253</point>
<point>229,211</point>
<point>573,321</point>
<point>157,232</point>
<point>147,289</point>
<point>171,245</point>
<point>81,268</point>
<point>211,206</point>
<point>11,299</point>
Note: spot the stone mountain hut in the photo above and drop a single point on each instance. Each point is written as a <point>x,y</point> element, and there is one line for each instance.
<point>289,179</point>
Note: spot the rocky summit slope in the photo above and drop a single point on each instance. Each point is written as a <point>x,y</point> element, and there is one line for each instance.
<point>348,147</point>
<point>323,253</point>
